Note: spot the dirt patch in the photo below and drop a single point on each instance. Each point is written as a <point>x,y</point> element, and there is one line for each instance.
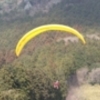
<point>75,81</point>
<point>79,87</point>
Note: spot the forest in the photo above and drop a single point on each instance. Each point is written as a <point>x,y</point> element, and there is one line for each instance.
<point>49,57</point>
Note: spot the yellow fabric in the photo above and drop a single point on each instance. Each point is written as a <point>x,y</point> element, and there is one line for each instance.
<point>33,33</point>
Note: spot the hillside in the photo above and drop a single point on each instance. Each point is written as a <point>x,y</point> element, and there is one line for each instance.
<point>19,8</point>
<point>51,56</point>
<point>78,11</point>
<point>80,14</point>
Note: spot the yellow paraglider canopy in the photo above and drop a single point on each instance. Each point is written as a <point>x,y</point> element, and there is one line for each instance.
<point>36,31</point>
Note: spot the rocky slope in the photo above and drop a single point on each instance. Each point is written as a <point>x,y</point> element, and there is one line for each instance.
<point>74,9</point>
<point>29,7</point>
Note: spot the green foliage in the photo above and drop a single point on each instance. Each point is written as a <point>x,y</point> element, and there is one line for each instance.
<point>44,60</point>
<point>31,75</point>
<point>22,83</point>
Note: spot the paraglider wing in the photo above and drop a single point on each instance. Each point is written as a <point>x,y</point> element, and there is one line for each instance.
<point>33,33</point>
